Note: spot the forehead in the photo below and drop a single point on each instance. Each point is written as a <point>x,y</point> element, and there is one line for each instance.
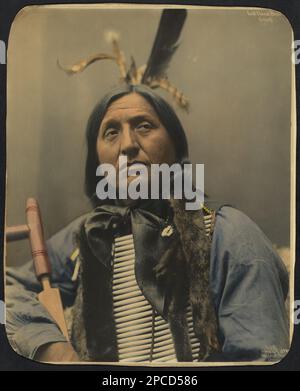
<point>129,105</point>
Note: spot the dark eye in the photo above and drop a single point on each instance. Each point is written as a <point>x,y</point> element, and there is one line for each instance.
<point>144,126</point>
<point>111,133</point>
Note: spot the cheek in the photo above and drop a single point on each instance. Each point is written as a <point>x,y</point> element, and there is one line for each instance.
<point>106,153</point>
<point>161,149</point>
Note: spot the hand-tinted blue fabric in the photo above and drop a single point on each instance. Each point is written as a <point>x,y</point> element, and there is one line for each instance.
<point>248,280</point>
<point>249,284</point>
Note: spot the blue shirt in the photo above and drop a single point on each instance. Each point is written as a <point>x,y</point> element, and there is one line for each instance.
<point>248,280</point>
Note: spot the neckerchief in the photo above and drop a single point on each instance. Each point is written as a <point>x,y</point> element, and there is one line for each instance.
<point>147,222</point>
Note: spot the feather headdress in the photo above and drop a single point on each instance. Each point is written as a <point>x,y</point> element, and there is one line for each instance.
<point>154,73</point>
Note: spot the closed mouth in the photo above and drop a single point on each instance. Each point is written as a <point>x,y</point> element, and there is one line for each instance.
<point>135,163</point>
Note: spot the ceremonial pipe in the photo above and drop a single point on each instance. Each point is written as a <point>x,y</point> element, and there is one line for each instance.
<point>36,236</point>
<point>49,297</point>
<point>19,232</point>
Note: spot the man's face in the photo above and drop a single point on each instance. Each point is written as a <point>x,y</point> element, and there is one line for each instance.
<point>132,128</point>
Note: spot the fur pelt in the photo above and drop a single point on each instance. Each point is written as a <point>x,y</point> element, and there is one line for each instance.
<point>196,248</point>
<point>184,268</point>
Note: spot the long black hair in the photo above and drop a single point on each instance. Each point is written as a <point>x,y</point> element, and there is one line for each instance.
<point>164,111</point>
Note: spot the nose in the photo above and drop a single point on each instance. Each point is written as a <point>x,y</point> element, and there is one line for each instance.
<point>129,145</point>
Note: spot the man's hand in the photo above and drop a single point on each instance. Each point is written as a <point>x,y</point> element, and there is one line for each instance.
<point>56,352</point>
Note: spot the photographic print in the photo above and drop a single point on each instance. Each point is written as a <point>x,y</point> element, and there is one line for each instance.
<point>150,202</point>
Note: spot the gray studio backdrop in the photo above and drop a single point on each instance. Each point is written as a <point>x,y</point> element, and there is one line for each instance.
<point>233,65</point>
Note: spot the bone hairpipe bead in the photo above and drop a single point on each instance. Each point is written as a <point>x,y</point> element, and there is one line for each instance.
<point>36,235</point>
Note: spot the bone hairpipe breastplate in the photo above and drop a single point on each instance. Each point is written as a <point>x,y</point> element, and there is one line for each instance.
<point>142,334</point>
